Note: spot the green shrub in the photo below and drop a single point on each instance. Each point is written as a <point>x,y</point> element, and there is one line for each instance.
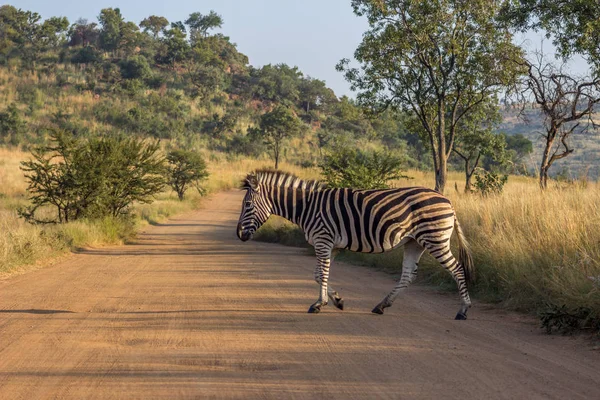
<point>135,67</point>
<point>487,182</point>
<point>86,55</point>
<point>349,167</point>
<point>96,178</point>
<point>12,125</point>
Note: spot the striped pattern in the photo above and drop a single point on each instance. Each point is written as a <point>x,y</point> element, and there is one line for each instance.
<point>368,221</point>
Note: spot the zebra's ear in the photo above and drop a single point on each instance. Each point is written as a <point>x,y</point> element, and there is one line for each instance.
<point>251,182</point>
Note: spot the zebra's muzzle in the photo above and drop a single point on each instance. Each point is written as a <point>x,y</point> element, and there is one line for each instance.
<point>243,234</point>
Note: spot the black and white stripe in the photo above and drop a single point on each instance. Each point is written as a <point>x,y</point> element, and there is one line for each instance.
<point>367,221</point>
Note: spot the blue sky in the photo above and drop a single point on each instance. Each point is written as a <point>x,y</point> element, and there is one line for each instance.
<point>311,34</point>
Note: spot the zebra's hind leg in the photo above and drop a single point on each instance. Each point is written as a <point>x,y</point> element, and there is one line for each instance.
<point>443,254</point>
<point>410,263</point>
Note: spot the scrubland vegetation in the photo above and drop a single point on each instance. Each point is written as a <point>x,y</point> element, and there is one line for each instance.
<point>441,125</point>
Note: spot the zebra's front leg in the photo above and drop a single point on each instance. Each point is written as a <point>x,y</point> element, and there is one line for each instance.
<point>323,253</point>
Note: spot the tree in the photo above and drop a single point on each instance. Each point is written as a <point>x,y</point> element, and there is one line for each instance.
<point>567,104</point>
<point>130,37</point>
<point>276,84</point>
<point>314,94</point>
<point>200,24</point>
<point>518,147</point>
<point>478,140</point>
<point>276,127</point>
<point>185,169</point>
<point>53,32</point>
<point>175,47</point>
<point>18,33</point>
<point>111,21</point>
<point>83,33</point>
<point>437,59</point>
<point>154,24</point>
<point>573,25</point>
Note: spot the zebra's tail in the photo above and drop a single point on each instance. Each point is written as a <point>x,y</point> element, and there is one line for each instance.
<point>464,254</point>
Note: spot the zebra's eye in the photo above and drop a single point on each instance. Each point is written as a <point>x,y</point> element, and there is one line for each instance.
<point>248,204</point>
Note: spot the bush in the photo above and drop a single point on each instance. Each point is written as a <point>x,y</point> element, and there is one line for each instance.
<point>347,167</point>
<point>487,182</point>
<point>246,145</point>
<point>12,125</point>
<point>135,67</point>
<point>96,178</point>
<point>185,169</point>
<point>86,55</point>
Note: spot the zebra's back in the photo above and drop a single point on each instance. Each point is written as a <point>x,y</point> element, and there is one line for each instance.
<point>374,221</point>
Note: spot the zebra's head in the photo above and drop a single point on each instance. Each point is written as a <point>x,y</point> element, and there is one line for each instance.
<point>255,209</point>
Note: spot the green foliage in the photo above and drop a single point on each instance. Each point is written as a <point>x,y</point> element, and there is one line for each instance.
<point>572,25</point>
<point>82,33</point>
<point>185,169</point>
<point>217,126</point>
<point>246,144</point>
<point>488,182</point>
<point>86,55</point>
<point>277,83</point>
<point>478,142</point>
<point>111,21</point>
<point>200,24</point>
<point>174,47</point>
<point>154,24</point>
<point>135,67</point>
<point>12,125</point>
<point>100,177</point>
<point>357,169</point>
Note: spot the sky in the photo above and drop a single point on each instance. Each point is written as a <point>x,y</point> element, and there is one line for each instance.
<point>311,34</point>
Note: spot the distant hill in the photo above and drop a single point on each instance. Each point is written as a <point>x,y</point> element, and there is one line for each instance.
<point>585,160</point>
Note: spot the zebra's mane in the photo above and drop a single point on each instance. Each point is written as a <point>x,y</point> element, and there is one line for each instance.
<point>272,178</point>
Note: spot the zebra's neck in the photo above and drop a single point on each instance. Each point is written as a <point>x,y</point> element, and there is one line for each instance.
<point>292,203</point>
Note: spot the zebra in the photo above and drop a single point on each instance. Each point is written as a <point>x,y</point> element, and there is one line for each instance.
<point>367,221</point>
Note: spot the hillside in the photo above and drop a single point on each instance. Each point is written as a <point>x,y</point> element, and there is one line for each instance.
<point>585,160</point>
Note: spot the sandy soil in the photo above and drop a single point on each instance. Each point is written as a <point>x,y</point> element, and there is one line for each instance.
<point>189,311</point>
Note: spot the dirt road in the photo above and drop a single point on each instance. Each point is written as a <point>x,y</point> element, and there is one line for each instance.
<point>189,311</point>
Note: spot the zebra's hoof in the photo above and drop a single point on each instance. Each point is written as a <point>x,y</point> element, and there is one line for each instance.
<point>337,300</point>
<point>378,310</point>
<point>314,309</point>
<point>461,316</point>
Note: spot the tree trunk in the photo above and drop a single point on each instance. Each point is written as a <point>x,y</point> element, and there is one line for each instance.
<point>442,166</point>
<point>468,175</point>
<point>276,154</point>
<point>545,165</point>
<point>441,175</point>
